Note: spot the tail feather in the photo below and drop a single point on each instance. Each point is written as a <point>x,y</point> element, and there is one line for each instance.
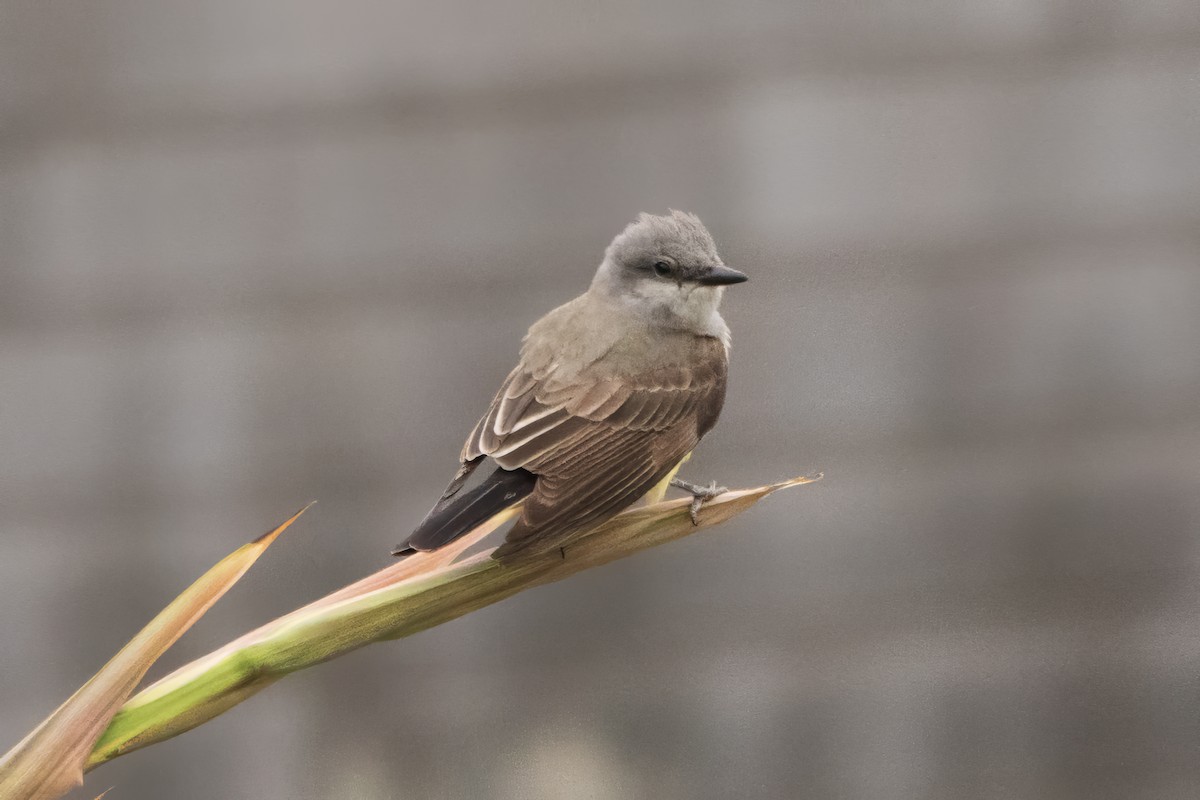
<point>463,512</point>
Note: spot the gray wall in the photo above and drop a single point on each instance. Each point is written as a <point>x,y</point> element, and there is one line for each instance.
<point>257,252</point>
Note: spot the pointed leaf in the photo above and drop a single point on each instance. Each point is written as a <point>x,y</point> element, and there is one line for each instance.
<point>49,761</point>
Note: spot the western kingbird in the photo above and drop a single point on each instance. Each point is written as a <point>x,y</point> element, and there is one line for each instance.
<point>613,391</point>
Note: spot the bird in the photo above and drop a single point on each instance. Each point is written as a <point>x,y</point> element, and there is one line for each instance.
<point>612,392</point>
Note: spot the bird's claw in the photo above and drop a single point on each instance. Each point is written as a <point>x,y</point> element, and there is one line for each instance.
<point>700,495</point>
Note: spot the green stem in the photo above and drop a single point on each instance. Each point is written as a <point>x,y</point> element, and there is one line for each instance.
<point>378,609</point>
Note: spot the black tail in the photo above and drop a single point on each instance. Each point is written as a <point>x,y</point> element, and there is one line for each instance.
<point>461,513</point>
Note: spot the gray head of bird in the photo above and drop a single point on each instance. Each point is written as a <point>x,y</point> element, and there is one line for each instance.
<point>667,270</point>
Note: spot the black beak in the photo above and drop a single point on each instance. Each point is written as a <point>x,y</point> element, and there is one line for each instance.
<point>722,276</point>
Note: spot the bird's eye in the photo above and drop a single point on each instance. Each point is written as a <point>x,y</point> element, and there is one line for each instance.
<point>662,269</point>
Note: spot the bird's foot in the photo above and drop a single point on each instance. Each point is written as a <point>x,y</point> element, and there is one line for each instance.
<point>700,495</point>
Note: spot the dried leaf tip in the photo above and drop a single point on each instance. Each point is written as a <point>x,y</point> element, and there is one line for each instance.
<point>270,535</point>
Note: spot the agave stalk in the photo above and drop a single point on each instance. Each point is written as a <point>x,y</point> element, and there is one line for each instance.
<point>410,596</point>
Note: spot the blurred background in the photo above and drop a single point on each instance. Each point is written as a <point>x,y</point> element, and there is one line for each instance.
<point>254,253</point>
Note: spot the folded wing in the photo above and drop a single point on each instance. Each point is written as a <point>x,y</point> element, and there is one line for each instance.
<point>596,442</point>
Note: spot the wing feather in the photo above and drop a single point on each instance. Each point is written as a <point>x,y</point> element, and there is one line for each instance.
<point>524,411</point>
<point>511,410</point>
<point>595,442</point>
<point>567,503</point>
<point>551,431</point>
